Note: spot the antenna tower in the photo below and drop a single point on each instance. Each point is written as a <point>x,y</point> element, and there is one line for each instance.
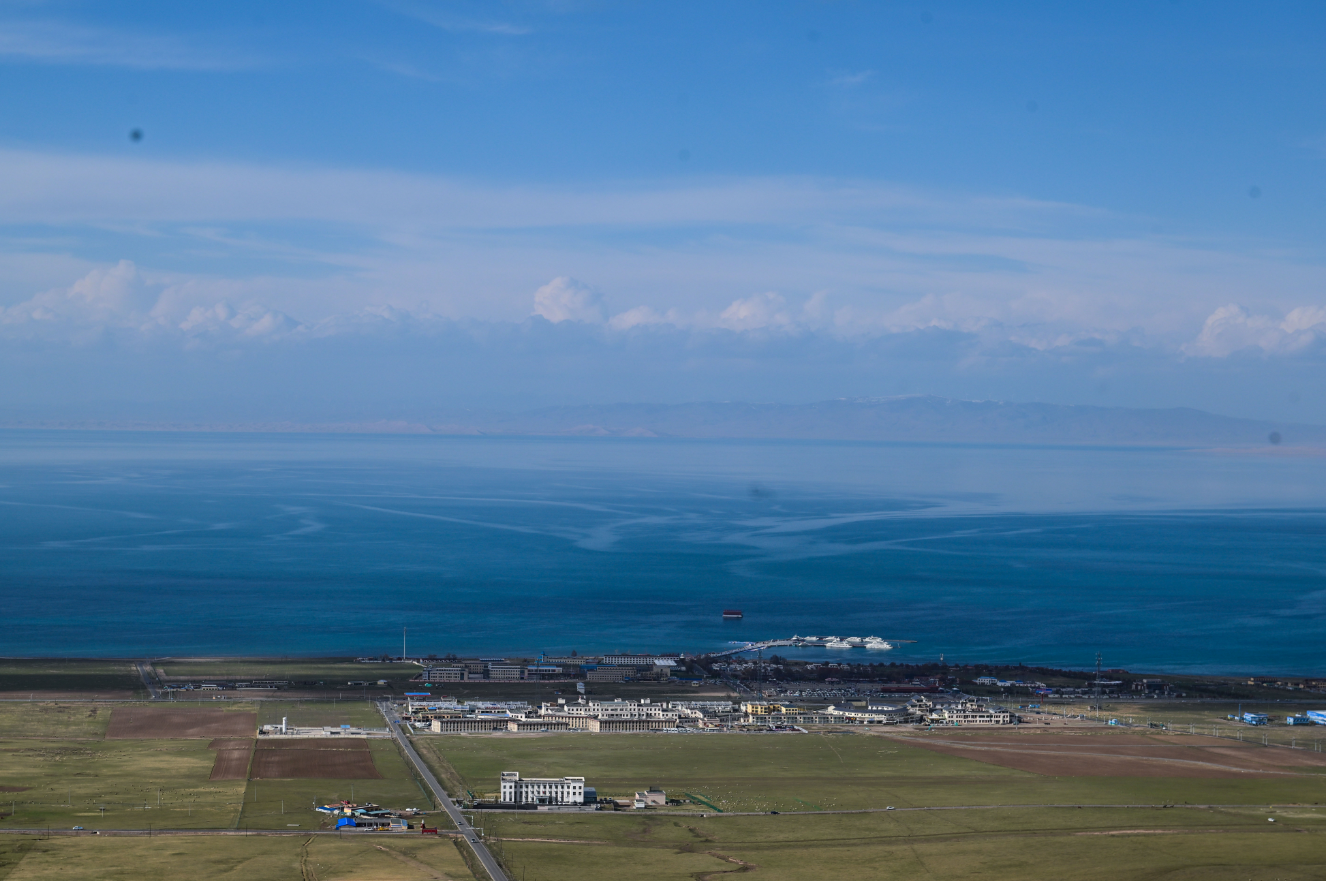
<point>759,674</point>
<point>1097,680</point>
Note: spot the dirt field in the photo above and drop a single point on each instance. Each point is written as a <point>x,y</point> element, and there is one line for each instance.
<point>231,743</point>
<point>341,764</point>
<point>231,764</point>
<point>1124,755</point>
<point>168,723</point>
<point>313,743</point>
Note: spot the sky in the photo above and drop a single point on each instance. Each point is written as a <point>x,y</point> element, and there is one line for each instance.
<point>352,211</point>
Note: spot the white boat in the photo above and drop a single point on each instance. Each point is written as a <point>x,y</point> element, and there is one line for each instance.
<point>836,643</point>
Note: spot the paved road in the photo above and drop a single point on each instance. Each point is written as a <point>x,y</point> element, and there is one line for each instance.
<point>467,831</point>
<point>144,670</point>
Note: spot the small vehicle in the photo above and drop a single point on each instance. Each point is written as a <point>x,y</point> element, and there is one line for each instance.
<point>889,808</point>
<point>773,812</point>
<point>78,828</point>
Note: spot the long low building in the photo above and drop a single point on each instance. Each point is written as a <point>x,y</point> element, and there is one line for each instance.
<point>537,724</point>
<point>622,726</point>
<point>470,725</point>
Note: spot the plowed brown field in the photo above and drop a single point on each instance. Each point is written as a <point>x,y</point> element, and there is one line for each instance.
<point>342,764</point>
<point>1124,755</point>
<point>231,764</point>
<point>231,743</point>
<point>165,723</point>
<point>313,743</point>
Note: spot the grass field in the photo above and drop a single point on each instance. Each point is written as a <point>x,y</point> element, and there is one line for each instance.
<point>162,783</point>
<point>1028,836</point>
<point>57,770</point>
<point>241,858</point>
<point>991,845</point>
<point>54,720</point>
<point>55,676</point>
<point>319,713</point>
<point>820,772</point>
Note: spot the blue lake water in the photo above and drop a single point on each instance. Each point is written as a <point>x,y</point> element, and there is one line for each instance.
<point>138,544</point>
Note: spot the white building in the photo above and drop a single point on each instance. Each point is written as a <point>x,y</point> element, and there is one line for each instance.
<point>875,714</point>
<point>618,709</point>
<point>541,790</point>
<point>969,712</point>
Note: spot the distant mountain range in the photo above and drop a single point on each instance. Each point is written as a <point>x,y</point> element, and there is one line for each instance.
<point>924,418</point>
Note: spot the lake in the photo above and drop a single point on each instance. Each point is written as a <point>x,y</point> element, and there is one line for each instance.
<point>136,544</point>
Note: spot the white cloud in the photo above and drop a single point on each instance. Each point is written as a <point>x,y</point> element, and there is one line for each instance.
<point>331,245</point>
<point>1232,328</point>
<point>448,21</point>
<point>61,43</point>
<point>120,298</point>
<point>847,79</point>
<point>254,321</point>
<point>641,316</point>
<point>761,312</point>
<point>565,299</point>
<point>113,294</point>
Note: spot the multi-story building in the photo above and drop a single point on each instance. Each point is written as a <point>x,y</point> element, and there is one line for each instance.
<point>535,724</point>
<point>969,712</point>
<point>541,790</point>
<point>505,672</point>
<point>470,725</point>
<point>875,714</point>
<point>622,726</point>
<point>618,709</point>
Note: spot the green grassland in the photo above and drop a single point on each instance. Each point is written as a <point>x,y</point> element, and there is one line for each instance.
<point>54,720</point>
<point>280,804</point>
<point>241,858</point>
<point>854,771</point>
<point>45,676</point>
<point>1029,834</point>
<point>139,783</point>
<point>1060,844</point>
<point>320,713</point>
<point>65,773</point>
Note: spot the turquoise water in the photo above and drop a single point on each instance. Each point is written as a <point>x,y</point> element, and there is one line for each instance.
<point>134,544</point>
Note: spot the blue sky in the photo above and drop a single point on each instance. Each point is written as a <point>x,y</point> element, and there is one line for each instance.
<point>354,210</point>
